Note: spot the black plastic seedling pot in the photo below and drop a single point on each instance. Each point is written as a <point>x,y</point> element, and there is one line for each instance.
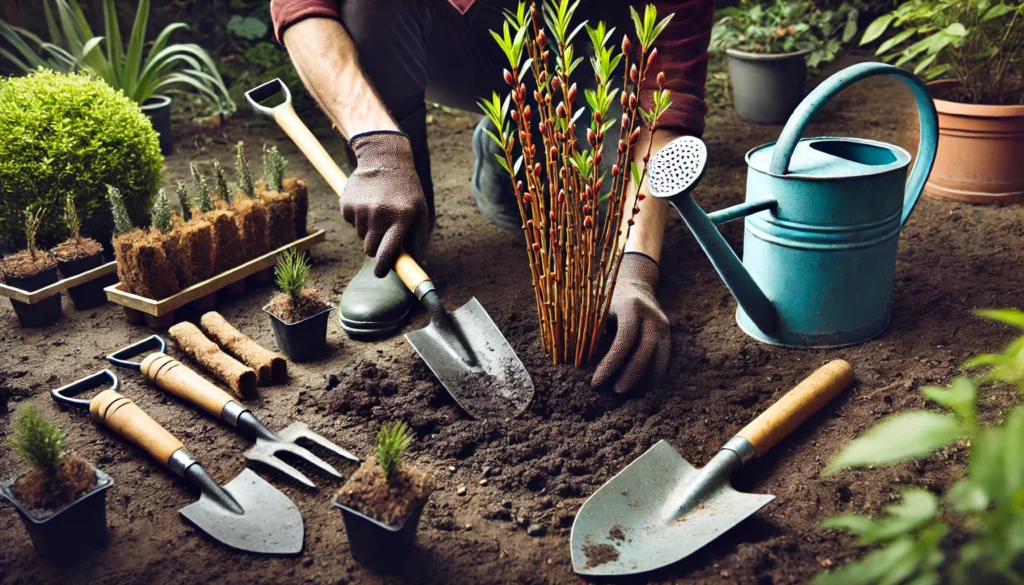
<point>376,545</point>
<point>38,314</point>
<point>158,110</point>
<point>303,340</point>
<point>64,536</point>
<point>89,294</point>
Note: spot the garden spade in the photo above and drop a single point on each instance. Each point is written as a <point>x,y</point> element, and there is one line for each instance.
<point>173,377</point>
<point>246,513</point>
<point>660,509</point>
<point>464,348</point>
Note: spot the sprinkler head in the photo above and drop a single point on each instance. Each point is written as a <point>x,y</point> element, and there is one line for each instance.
<point>677,168</point>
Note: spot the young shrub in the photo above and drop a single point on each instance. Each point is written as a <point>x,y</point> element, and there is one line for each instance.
<point>33,219</point>
<point>242,170</point>
<point>71,219</point>
<point>221,185</point>
<point>122,221</point>
<point>290,273</point>
<point>273,168</point>
<point>38,440</point>
<point>183,200</point>
<point>56,479</point>
<point>392,441</point>
<point>110,142</point>
<point>76,246</point>
<point>162,214</point>
<point>202,200</point>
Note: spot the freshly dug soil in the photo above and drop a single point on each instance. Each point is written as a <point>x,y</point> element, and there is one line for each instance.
<point>144,266</point>
<point>308,304</point>
<point>390,502</point>
<point>22,264</point>
<point>253,225</point>
<point>70,250</point>
<point>270,367</point>
<point>238,376</point>
<point>42,490</point>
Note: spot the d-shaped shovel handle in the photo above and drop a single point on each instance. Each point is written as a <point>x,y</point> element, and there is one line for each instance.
<point>174,377</point>
<point>131,422</point>
<point>797,405</point>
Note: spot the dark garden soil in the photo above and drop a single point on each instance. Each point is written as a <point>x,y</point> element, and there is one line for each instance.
<point>508,491</point>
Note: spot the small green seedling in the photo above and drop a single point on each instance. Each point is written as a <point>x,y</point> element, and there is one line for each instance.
<point>38,440</point>
<point>122,223</point>
<point>273,168</point>
<point>202,200</point>
<point>71,219</point>
<point>32,221</point>
<point>290,272</point>
<point>182,192</point>
<point>242,170</point>
<point>162,213</point>
<point>220,182</point>
<point>392,441</point>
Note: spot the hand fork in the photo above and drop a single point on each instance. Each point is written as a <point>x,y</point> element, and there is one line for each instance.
<point>172,376</point>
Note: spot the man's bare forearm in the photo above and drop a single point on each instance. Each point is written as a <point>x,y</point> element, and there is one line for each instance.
<point>326,60</point>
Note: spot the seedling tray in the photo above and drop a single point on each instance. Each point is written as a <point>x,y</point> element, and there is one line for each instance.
<point>162,307</point>
<point>33,297</point>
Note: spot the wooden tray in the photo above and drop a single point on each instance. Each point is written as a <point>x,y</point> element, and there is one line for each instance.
<point>211,285</point>
<point>31,298</point>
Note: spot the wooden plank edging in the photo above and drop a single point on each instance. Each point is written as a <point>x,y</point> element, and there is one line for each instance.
<point>33,297</point>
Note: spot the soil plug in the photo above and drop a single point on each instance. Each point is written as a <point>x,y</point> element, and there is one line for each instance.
<point>270,367</point>
<point>239,377</point>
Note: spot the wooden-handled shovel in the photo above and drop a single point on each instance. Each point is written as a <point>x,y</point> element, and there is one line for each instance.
<point>464,348</point>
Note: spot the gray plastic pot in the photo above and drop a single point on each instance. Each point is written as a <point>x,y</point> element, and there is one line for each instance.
<point>767,88</point>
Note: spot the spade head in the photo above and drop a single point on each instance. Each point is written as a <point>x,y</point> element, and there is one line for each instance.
<point>269,524</point>
<point>632,524</point>
<point>493,382</point>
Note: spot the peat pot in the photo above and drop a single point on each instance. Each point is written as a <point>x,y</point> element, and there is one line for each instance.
<point>64,536</point>
<point>44,312</point>
<point>89,294</point>
<point>376,545</point>
<point>158,110</point>
<point>303,340</point>
<point>766,88</point>
<point>981,152</point>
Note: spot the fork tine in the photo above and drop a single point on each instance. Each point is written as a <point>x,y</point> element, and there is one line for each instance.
<point>300,451</point>
<point>300,430</point>
<point>270,460</point>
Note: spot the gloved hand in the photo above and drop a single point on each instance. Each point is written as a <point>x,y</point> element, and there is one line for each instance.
<point>384,199</point>
<point>641,344</point>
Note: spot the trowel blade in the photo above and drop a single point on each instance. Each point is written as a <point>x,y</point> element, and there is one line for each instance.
<point>630,524</point>
<point>270,524</point>
<point>497,385</point>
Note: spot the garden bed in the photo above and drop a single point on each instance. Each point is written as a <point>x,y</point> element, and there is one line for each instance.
<point>538,469</point>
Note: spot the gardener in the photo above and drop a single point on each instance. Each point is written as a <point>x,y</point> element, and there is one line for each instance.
<point>372,65</point>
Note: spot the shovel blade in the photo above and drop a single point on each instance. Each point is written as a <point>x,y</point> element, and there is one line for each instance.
<point>630,524</point>
<point>497,385</point>
<point>270,524</point>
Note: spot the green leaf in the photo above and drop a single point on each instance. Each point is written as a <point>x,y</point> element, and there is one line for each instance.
<point>911,435</point>
<point>1008,316</point>
<point>247,27</point>
<point>854,523</point>
<point>895,41</point>
<point>876,28</point>
<point>849,30</point>
<point>997,10</point>
<point>503,163</point>
<point>871,568</point>
<point>960,397</point>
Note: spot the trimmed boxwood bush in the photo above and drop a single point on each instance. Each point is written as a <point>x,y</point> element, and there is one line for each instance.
<point>72,133</point>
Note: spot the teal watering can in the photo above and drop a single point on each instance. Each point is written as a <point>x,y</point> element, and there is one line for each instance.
<point>823,217</point>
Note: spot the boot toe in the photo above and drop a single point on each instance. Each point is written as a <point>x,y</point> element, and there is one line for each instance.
<point>374,307</point>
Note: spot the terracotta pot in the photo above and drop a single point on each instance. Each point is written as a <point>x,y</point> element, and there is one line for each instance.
<point>981,149</point>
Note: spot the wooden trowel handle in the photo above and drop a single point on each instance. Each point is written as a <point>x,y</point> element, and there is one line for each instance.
<point>131,422</point>
<point>807,398</point>
<point>172,376</point>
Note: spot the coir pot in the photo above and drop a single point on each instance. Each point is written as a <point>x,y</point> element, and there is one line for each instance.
<point>376,545</point>
<point>65,535</point>
<point>303,340</point>
<point>766,88</point>
<point>41,313</point>
<point>158,110</point>
<point>89,294</point>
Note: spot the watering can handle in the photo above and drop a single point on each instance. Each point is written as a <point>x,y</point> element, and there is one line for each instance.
<point>927,118</point>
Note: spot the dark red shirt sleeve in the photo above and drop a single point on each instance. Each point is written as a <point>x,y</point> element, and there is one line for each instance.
<point>285,13</point>
<point>683,56</point>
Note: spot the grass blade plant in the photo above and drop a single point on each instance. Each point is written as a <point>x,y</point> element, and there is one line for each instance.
<point>392,441</point>
<point>560,185</point>
<point>290,273</point>
<point>38,440</point>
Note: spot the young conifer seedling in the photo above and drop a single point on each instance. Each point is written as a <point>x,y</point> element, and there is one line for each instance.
<point>243,171</point>
<point>32,221</point>
<point>38,440</point>
<point>273,168</point>
<point>71,219</point>
<point>183,199</point>
<point>392,441</point>
<point>290,273</point>
<point>221,184</point>
<point>202,200</point>
<point>162,213</point>
<point>122,223</point>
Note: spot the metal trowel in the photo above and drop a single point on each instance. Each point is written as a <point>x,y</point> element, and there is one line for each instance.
<point>660,508</point>
<point>246,513</point>
<point>464,348</point>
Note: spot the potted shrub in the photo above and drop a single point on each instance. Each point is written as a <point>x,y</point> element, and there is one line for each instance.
<point>973,51</point>
<point>62,499</point>
<point>79,254</point>
<point>30,270</point>
<point>770,47</point>
<point>382,501</point>
<point>298,315</point>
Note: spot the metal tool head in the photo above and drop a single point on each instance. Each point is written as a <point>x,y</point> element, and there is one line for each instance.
<point>632,523</point>
<point>105,379</point>
<point>264,92</point>
<point>269,446</point>
<point>678,167</point>
<point>151,344</point>
<point>300,430</point>
<point>269,523</point>
<point>493,383</point>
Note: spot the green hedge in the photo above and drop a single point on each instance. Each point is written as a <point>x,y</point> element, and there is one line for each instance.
<point>72,133</point>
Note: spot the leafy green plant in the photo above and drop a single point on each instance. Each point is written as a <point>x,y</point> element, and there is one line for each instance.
<point>273,168</point>
<point>162,214</point>
<point>182,193</point>
<point>979,43</point>
<point>72,133</point>
<point>33,218</point>
<point>290,272</point>
<point>38,440</point>
<point>247,27</point>
<point>392,441</point>
<point>785,26</point>
<point>221,183</point>
<point>122,222</point>
<point>165,68</point>
<point>202,200</point>
<point>71,220</point>
<point>243,171</point>
<point>988,504</point>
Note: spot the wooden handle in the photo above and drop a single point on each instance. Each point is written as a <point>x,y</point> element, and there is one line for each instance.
<point>172,376</point>
<point>410,271</point>
<point>289,121</point>
<point>131,422</point>
<point>807,398</point>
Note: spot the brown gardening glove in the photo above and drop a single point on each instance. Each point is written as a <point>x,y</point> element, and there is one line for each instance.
<point>641,345</point>
<point>384,199</point>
